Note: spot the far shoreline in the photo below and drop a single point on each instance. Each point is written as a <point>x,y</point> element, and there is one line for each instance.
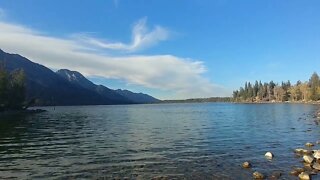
<point>21,112</point>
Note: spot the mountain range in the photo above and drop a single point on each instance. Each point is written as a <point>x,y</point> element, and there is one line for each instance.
<point>66,87</point>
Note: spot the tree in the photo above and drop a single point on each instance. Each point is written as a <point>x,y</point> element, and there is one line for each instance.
<point>279,93</point>
<point>305,91</point>
<point>17,89</point>
<point>295,93</point>
<point>314,84</point>
<point>3,87</point>
<point>12,90</point>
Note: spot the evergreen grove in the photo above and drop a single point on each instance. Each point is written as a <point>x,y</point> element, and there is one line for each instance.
<point>258,92</point>
<point>12,90</point>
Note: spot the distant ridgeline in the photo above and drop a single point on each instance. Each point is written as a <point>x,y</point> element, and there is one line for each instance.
<point>299,92</point>
<point>22,80</point>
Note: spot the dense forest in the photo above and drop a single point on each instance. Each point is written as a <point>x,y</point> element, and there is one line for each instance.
<point>12,90</point>
<point>274,92</point>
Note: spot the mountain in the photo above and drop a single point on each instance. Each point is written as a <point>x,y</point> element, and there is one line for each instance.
<point>50,88</point>
<point>78,79</point>
<point>137,97</point>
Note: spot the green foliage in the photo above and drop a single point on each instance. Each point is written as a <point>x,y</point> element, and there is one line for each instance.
<point>279,92</point>
<point>12,90</point>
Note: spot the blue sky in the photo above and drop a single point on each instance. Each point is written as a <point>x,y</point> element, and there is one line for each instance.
<point>169,49</point>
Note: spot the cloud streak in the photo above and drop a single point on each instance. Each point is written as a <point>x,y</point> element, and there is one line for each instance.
<point>182,76</point>
<point>142,37</point>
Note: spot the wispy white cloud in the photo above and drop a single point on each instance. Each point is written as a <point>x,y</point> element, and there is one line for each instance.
<point>182,76</point>
<point>142,37</point>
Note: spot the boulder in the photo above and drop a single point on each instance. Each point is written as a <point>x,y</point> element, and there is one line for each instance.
<point>304,176</point>
<point>257,175</point>
<point>308,159</point>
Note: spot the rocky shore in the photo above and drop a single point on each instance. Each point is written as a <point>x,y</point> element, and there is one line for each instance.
<point>308,168</point>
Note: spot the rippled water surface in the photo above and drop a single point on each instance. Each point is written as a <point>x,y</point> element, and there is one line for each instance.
<point>179,141</point>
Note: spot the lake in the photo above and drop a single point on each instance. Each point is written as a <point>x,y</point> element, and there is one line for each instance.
<point>178,141</point>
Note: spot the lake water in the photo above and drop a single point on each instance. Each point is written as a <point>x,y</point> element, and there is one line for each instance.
<point>179,141</point>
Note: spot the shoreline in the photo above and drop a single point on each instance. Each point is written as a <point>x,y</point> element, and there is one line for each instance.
<point>286,102</point>
<point>19,112</point>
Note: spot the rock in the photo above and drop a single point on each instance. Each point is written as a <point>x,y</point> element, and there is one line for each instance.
<point>269,155</point>
<point>294,173</point>
<point>298,150</point>
<point>309,144</point>
<point>275,175</point>
<point>303,151</point>
<point>246,165</point>
<point>307,166</point>
<point>308,159</point>
<point>304,176</point>
<point>307,152</point>
<point>316,166</point>
<point>318,142</point>
<point>257,175</point>
<point>316,154</point>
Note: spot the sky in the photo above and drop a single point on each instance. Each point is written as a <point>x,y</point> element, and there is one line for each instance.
<point>169,49</point>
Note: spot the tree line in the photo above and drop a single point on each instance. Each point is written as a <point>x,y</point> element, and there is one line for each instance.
<point>12,89</point>
<point>275,92</point>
